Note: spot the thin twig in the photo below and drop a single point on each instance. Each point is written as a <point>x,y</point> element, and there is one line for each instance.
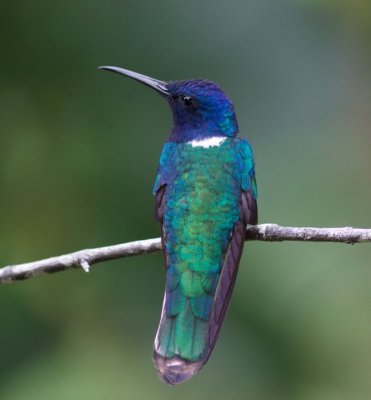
<point>86,258</point>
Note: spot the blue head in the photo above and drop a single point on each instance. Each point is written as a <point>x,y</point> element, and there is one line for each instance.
<point>200,108</point>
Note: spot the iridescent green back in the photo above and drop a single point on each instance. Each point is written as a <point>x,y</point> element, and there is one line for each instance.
<point>200,213</point>
<point>200,204</point>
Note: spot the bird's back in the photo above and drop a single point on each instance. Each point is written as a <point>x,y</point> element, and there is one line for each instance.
<point>200,209</point>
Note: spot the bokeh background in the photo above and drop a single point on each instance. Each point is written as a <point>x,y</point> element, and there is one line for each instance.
<point>78,154</point>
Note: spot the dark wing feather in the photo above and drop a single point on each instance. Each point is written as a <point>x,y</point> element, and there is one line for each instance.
<point>159,210</point>
<point>248,215</point>
<point>159,213</point>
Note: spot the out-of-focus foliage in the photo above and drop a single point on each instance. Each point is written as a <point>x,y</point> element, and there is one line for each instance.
<point>356,13</point>
<point>78,155</point>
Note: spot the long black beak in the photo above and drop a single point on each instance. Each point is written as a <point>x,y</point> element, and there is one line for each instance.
<point>160,86</point>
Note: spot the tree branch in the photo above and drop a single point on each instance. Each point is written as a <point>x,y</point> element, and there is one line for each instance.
<point>264,232</point>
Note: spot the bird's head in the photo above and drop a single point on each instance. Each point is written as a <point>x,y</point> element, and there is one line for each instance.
<point>200,108</point>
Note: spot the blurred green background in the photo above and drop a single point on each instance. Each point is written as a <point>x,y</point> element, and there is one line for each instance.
<point>78,156</point>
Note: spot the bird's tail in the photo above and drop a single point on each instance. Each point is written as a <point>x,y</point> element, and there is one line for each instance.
<point>190,325</point>
<point>175,370</point>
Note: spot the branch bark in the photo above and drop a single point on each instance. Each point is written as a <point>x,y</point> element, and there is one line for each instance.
<point>263,232</point>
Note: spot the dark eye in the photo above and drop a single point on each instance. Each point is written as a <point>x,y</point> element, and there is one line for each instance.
<point>188,101</point>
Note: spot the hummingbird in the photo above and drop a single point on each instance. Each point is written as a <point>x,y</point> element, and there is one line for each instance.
<point>205,192</point>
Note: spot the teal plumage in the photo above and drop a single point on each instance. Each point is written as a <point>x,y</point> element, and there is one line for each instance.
<point>199,211</point>
<point>206,195</point>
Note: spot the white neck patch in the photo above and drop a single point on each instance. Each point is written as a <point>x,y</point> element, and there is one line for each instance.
<point>214,141</point>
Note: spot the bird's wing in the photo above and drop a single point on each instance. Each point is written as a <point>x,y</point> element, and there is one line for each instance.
<point>248,216</point>
<point>164,176</point>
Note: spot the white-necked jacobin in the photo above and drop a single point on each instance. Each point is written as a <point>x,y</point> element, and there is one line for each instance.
<point>205,197</point>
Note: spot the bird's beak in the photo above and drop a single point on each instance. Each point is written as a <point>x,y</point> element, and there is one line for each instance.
<point>160,86</point>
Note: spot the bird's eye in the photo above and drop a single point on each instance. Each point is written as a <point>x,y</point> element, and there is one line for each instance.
<point>188,101</point>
